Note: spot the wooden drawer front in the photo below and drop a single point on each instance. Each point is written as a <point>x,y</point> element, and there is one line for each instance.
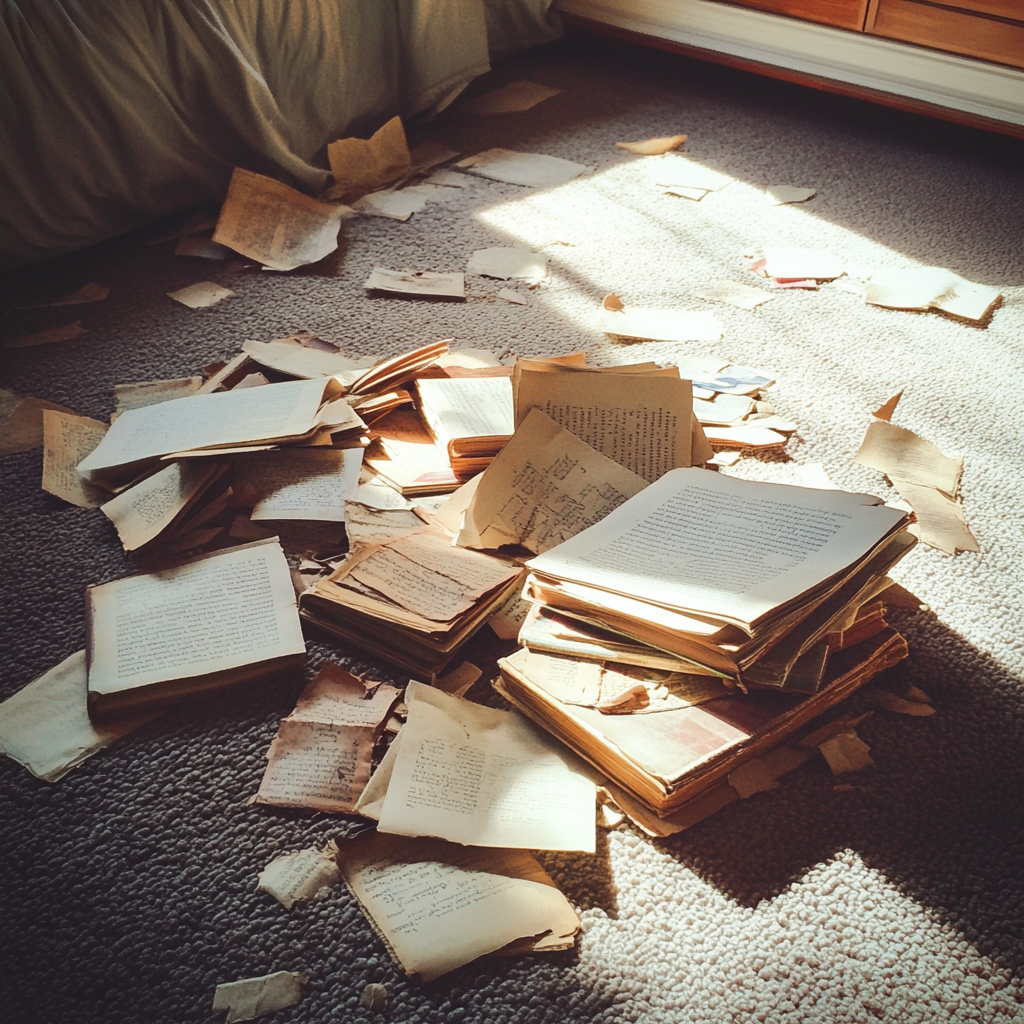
<point>840,13</point>
<point>945,29</point>
<point>1013,9</point>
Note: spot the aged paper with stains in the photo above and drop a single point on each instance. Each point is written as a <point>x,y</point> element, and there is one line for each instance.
<point>253,997</point>
<point>360,166</point>
<point>313,484</point>
<point>298,878</point>
<point>438,906</point>
<point>67,439</point>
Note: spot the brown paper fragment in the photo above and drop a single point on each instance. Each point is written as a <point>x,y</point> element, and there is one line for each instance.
<point>91,292</point>
<point>21,421</point>
<point>918,695</point>
<point>761,774</point>
<point>889,701</point>
<point>613,302</point>
<point>361,166</point>
<point>300,877</point>
<point>940,519</point>
<point>459,681</point>
<point>253,997</point>
<point>510,615</point>
<point>652,147</point>
<point>47,337</point>
<point>886,409</point>
<point>67,439</point>
<point>831,729</point>
<point>846,752</point>
<point>509,99</point>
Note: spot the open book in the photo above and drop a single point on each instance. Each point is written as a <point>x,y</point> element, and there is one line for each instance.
<point>470,417</point>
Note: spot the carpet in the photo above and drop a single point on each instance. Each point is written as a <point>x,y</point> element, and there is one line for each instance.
<point>128,889</point>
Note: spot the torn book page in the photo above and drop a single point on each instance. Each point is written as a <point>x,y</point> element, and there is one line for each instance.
<point>366,525</point>
<point>276,225</point>
<point>253,997</point>
<point>940,519</point>
<point>482,777</point>
<point>545,486</point>
<point>900,453</point>
<point>45,726</point>
<point>21,421</point>
<point>374,493</point>
<point>673,171</point>
<point>68,439</point>
<point>420,283</point>
<point>460,680</point>
<point>91,292</point>
<point>652,147</point>
<point>48,337</point>
<point>306,363</point>
<point>201,247</point>
<point>201,295</point>
<point>846,752</point>
<point>930,288</point>
<point>398,205</point>
<point>741,295</point>
<point>312,484</point>
<point>660,324</point>
<point>507,264</point>
<point>152,392</point>
<point>532,169</point>
<point>510,616</point>
<point>794,263</point>
<point>779,195</point>
<point>300,877</point>
<point>438,906</point>
<point>360,166</point>
<point>509,99</point>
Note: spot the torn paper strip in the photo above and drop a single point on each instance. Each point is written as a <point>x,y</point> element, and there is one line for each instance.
<point>533,169</point>
<point>48,337</point>
<point>253,997</point>
<point>900,453</point>
<point>201,295</point>
<point>509,99</point>
<point>304,362</point>
<point>506,264</point>
<point>300,877</point>
<point>276,225</point>
<point>68,439</point>
<point>367,525</point>
<point>652,147</point>
<point>940,519</point>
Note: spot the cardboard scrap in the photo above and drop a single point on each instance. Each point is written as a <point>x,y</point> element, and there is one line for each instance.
<point>21,421</point>
<point>508,263</point>
<point>201,295</point>
<point>777,195</point>
<point>509,99</point>
<point>48,337</point>
<point>424,284</point>
<point>532,169</point>
<point>253,997</point>
<point>741,295</point>
<point>91,292</point>
<point>300,877</point>
<point>652,147</point>
<point>846,752</point>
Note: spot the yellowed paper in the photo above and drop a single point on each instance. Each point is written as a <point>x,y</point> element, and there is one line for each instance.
<point>507,264</point>
<point>533,169</point>
<point>744,437</point>
<point>457,409</point>
<point>408,282</point>
<point>48,337</point>
<point>930,288</point>
<point>152,392</point>
<point>900,453</point>
<point>545,486</point>
<point>510,615</point>
<point>276,225</point>
<point>312,484</point>
<point>846,752</point>
<point>300,877</point>
<point>398,205</point>
<point>760,774</point>
<point>940,519</point>
<point>509,99</point>
<point>201,247</point>
<point>439,906</point>
<point>652,147</point>
<point>68,439</point>
<point>674,170</point>
<point>21,421</point>
<point>642,422</point>
<point>360,166</point>
<point>722,410</point>
<point>253,997</point>
<point>511,295</point>
<point>734,294</point>
<point>451,511</point>
<point>366,525</point>
<point>201,295</point>
<point>91,292</point>
<point>482,777</point>
<point>45,726</point>
<point>459,681</point>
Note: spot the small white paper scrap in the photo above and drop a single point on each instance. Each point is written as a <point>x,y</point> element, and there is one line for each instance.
<point>389,203</point>
<point>777,195</point>
<point>253,997</point>
<point>503,263</point>
<point>510,295</point>
<point>198,296</point>
<point>741,295</point>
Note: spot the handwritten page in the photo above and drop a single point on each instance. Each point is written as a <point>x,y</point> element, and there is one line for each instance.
<point>640,421</point>
<point>467,407</point>
<point>367,525</point>
<point>302,876</point>
<point>68,439</point>
<point>534,169</point>
<point>45,726</point>
<point>425,575</point>
<point>424,283</point>
<point>482,777</point>
<point>222,611</point>
<point>439,906</point>
<point>360,166</point>
<point>321,756</point>
<point>275,225</point>
<point>253,997</point>
<point>297,484</point>
<point>273,412</point>
<point>544,486</point>
<point>771,543</point>
<point>511,614</point>
<point>143,512</point>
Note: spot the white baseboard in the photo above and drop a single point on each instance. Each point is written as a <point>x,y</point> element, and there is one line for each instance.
<point>959,83</point>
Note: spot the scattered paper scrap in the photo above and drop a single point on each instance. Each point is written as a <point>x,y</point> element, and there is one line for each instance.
<point>483,777</point>
<point>534,169</point>
<point>918,695</point>
<point>509,99</point>
<point>399,205</point>
<point>652,147</point>
<point>510,295</point>
<point>807,284</point>
<point>312,484</point>
<point>91,292</point>
<point>659,324</point>
<point>276,225</point>
<point>152,392</point>
<point>794,263</point>
<point>459,681</point>
<point>741,295</point>
<point>21,421</point>
<point>760,774</point>
<point>300,877</point>
<point>305,362</point>
<point>253,997</point>
<point>374,998</point>
<point>734,380</point>
<point>846,752</point>
<point>510,616</point>
<point>940,519</point>
<point>931,288</point>
<point>46,727</point>
<point>506,264</point>
<point>439,906</point>
<point>448,179</point>
<point>49,336</point>
<point>67,439</point>
<point>422,283</point>
<point>361,166</point>
<point>201,246</point>
<point>777,195</point>
<point>891,702</point>
<point>201,295</point>
<point>684,177</point>
<point>367,525</point>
